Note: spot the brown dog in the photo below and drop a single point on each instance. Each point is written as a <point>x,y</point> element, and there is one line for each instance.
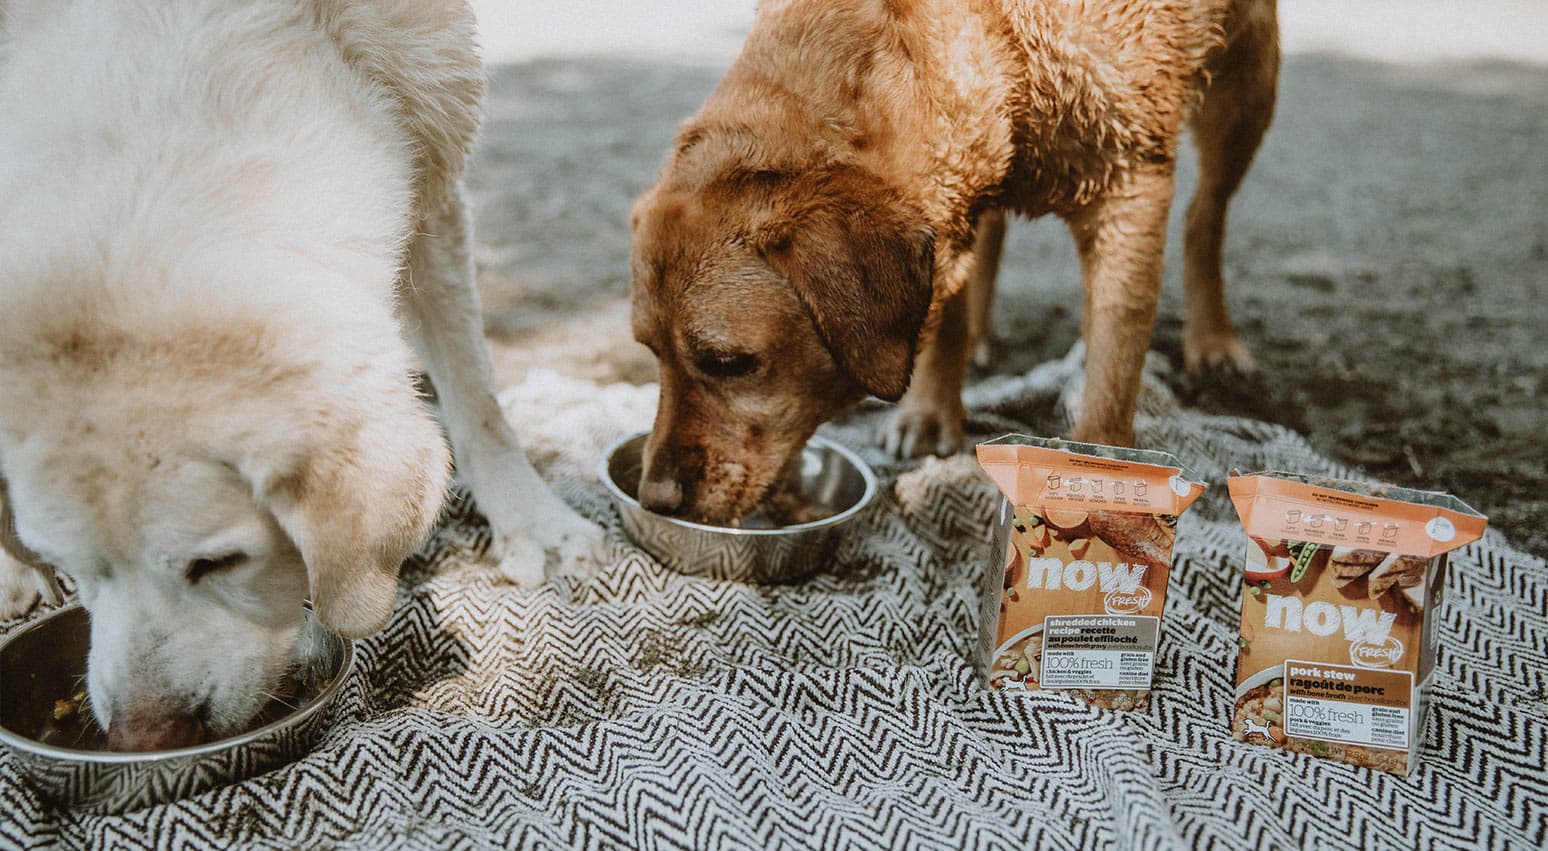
<point>819,219</point>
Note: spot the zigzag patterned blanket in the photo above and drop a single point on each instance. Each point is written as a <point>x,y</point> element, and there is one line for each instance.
<point>643,709</point>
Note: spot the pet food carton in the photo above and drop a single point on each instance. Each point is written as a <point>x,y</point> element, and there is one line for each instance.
<point>1340,587</point>
<point>1077,582</point>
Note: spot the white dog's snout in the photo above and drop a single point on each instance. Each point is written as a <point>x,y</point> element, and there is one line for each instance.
<point>154,726</point>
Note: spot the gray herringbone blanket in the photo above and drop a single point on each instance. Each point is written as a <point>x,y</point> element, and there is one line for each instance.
<point>642,709</point>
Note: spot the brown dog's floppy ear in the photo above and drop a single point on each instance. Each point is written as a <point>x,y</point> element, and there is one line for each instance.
<point>862,263</point>
<point>358,499</point>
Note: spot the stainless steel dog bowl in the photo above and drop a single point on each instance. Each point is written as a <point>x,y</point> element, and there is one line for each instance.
<point>831,478</point>
<point>46,661</point>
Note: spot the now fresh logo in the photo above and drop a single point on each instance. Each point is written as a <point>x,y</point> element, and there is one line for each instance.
<point>1376,653</point>
<point>1053,574</point>
<point>1121,602</point>
<point>1358,624</point>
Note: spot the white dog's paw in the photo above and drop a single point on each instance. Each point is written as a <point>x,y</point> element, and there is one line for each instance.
<point>19,589</point>
<point>521,559</point>
<point>551,540</point>
<point>916,430</point>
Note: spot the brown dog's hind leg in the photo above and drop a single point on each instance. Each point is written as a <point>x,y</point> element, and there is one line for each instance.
<point>1120,239</point>
<point>1227,129</point>
<point>988,240</point>
<point>929,417</point>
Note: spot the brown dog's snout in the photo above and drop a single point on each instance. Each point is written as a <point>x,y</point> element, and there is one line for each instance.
<point>661,487</point>
<point>153,729</point>
<point>661,494</point>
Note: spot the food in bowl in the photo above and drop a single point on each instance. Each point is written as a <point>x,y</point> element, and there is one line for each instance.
<point>51,737</point>
<point>66,726</point>
<point>786,507</point>
<point>794,535</point>
<point>70,723</point>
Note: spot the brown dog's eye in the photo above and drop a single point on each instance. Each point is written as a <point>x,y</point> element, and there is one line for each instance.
<point>201,567</point>
<point>724,364</point>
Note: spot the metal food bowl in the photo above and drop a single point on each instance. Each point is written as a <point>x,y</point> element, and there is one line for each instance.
<point>833,480</point>
<point>45,661</point>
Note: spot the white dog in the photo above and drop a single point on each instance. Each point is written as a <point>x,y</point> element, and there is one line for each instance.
<point>219,221</point>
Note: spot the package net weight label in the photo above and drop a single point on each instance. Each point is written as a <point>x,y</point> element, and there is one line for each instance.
<point>1339,703</point>
<point>1099,651</point>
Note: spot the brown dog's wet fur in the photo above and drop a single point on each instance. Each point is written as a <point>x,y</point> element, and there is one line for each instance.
<point>814,232</point>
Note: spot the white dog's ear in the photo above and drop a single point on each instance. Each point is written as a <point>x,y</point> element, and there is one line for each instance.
<point>357,498</point>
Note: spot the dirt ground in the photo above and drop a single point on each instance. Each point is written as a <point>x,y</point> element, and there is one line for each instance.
<point>1387,261</point>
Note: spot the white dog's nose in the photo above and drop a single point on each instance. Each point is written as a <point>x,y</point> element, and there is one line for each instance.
<point>152,729</point>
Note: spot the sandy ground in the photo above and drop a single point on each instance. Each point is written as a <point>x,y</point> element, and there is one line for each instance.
<point>1388,259</point>
<point>712,30</point>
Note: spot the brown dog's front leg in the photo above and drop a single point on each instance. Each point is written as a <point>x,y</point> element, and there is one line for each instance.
<point>929,418</point>
<point>1120,239</point>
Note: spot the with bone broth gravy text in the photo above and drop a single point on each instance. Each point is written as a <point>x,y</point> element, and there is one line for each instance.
<point>1340,586</point>
<point>1077,582</point>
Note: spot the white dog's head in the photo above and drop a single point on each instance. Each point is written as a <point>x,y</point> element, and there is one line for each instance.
<point>199,480</point>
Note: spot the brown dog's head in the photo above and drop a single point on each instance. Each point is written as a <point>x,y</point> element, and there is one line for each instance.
<point>773,298</point>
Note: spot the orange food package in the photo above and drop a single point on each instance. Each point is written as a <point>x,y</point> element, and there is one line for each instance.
<point>1340,587</point>
<point>1077,583</point>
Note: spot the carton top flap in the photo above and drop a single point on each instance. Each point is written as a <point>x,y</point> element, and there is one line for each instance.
<point>1051,471</point>
<point>1340,512</point>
